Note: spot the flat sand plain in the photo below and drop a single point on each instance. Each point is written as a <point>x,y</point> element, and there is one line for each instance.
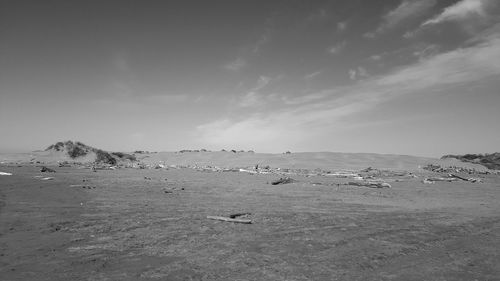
<point>151,224</point>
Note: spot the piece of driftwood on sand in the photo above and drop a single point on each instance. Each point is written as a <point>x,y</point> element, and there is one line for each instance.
<point>370,184</point>
<point>229,219</point>
<point>233,216</point>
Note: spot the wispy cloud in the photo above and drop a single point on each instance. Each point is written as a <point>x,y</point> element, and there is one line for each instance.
<point>341,26</point>
<point>312,75</point>
<point>406,10</point>
<point>358,73</point>
<point>369,35</point>
<point>250,99</point>
<point>236,64</point>
<point>263,39</point>
<point>317,16</point>
<point>261,83</point>
<point>336,49</point>
<point>167,98</point>
<point>426,51</point>
<point>307,98</point>
<point>462,10</point>
<point>328,110</point>
<point>253,97</point>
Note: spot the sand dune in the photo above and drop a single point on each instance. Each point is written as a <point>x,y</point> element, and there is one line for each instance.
<point>302,160</point>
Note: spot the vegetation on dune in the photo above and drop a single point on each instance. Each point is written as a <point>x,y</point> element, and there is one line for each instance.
<point>79,149</point>
<point>122,155</point>
<point>490,161</point>
<point>74,149</point>
<point>104,157</point>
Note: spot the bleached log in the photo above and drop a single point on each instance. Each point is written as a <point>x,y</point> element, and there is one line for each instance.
<point>229,219</point>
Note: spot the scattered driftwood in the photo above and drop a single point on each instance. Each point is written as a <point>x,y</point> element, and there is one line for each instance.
<point>229,219</point>
<point>283,181</point>
<point>47,170</point>
<point>465,179</point>
<point>474,180</point>
<point>46,178</point>
<point>458,177</point>
<point>83,186</point>
<point>5,174</point>
<point>370,184</point>
<point>450,179</point>
<point>453,169</point>
<point>233,216</point>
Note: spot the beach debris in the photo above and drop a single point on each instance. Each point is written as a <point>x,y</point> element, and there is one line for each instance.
<point>370,184</point>
<point>427,181</point>
<point>474,180</point>
<point>83,186</point>
<point>433,179</point>
<point>367,170</point>
<point>233,216</point>
<point>342,174</point>
<point>47,170</point>
<point>159,166</point>
<point>377,173</point>
<point>453,169</point>
<point>46,178</point>
<point>284,180</point>
<point>228,219</point>
<point>5,174</point>
<point>458,177</point>
<point>147,178</point>
<point>465,179</point>
<point>248,171</point>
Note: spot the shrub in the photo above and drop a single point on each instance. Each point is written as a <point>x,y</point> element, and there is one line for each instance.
<point>76,151</point>
<point>124,156</point>
<point>104,157</point>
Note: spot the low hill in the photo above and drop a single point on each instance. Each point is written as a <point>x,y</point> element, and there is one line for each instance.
<point>490,161</point>
<point>77,151</point>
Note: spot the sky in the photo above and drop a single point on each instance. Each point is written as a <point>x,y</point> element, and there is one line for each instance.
<point>397,76</point>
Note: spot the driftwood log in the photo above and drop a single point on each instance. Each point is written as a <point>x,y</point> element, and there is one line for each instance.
<point>443,179</point>
<point>458,177</point>
<point>233,216</point>
<point>283,181</point>
<point>229,219</point>
<point>370,184</point>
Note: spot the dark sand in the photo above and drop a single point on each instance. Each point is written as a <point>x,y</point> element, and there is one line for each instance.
<point>117,225</point>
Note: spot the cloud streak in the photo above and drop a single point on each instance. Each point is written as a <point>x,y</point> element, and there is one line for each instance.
<point>236,64</point>
<point>406,10</point>
<point>327,110</point>
<point>253,97</point>
<point>462,10</point>
<point>336,49</point>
